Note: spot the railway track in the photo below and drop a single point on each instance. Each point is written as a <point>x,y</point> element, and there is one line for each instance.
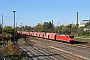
<point>61,52</point>
<point>35,52</point>
<point>85,46</point>
<point>81,53</point>
<point>78,46</point>
<point>38,53</point>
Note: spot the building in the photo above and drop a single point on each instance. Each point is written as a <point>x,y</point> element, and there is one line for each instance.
<point>87,28</point>
<point>82,23</point>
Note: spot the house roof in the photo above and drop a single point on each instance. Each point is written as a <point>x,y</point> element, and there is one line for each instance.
<point>85,20</point>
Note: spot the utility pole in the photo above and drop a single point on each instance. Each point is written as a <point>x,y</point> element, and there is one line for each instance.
<point>2,24</point>
<point>41,23</point>
<point>38,27</point>
<point>77,19</point>
<point>14,25</point>
<point>58,23</point>
<point>52,26</point>
<point>21,27</point>
<point>58,27</point>
<point>16,28</point>
<point>77,22</point>
<point>21,24</point>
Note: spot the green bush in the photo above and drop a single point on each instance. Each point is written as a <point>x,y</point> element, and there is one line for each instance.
<point>86,35</point>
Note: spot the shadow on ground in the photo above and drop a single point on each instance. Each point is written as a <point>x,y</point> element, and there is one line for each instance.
<point>80,42</point>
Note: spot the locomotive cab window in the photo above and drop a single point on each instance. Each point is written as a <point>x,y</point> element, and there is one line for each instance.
<point>71,36</point>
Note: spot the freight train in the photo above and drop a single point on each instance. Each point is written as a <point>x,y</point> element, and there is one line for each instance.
<point>51,36</point>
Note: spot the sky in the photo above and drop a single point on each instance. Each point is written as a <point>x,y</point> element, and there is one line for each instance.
<point>32,12</point>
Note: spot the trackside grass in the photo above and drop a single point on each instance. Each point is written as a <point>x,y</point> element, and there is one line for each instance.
<point>83,38</point>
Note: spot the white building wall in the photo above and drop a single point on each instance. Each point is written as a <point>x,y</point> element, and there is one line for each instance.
<point>82,23</point>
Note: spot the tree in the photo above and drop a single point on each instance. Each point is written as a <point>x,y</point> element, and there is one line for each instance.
<point>0,29</point>
<point>87,24</point>
<point>81,31</point>
<point>45,26</point>
<point>38,28</point>
<point>57,29</point>
<point>48,27</point>
<point>51,27</point>
<point>27,28</point>
<point>7,37</point>
<point>74,30</point>
<point>69,26</point>
<point>8,29</point>
<point>65,30</point>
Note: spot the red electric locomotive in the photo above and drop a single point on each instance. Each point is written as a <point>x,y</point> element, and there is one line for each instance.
<point>67,38</point>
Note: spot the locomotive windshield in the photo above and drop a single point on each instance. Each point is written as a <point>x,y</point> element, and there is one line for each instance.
<point>71,36</point>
